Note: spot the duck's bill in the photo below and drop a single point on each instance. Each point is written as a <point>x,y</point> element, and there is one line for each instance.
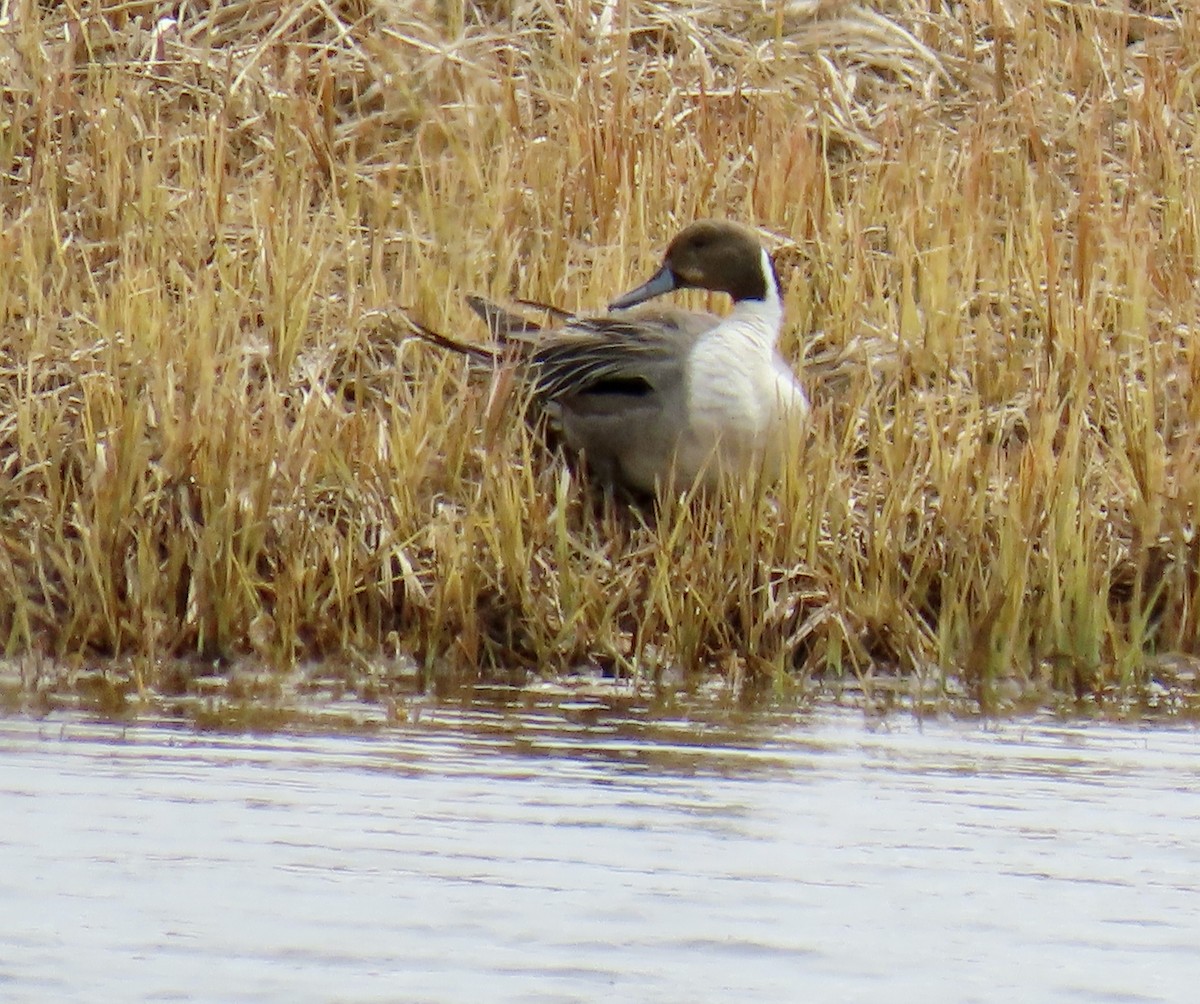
<point>663,281</point>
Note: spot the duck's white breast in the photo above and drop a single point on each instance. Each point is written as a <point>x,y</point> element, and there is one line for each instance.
<point>733,372</point>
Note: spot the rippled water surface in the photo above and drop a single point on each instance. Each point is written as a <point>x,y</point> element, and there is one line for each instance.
<point>562,854</point>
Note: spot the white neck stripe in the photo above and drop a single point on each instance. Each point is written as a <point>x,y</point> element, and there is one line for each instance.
<point>769,275</point>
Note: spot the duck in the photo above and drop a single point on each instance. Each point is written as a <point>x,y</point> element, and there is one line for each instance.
<point>657,399</point>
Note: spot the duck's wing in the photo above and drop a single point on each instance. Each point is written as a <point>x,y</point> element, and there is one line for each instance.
<point>615,357</point>
<point>615,387</point>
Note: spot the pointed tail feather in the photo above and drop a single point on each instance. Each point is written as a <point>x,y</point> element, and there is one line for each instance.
<point>556,312</point>
<point>472,350</point>
<point>501,323</point>
<point>505,325</point>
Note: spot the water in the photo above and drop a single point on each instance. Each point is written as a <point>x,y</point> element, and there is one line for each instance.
<point>572,855</point>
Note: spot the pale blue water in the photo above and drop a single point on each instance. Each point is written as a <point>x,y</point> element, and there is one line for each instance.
<point>539,856</point>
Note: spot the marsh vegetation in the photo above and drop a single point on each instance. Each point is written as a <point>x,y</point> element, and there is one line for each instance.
<point>217,448</point>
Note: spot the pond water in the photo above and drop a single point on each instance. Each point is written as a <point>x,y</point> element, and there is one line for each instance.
<point>578,853</point>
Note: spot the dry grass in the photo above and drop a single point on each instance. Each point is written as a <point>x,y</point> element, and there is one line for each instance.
<point>214,447</point>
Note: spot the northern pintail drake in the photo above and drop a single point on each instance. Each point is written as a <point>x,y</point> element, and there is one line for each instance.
<point>667,398</point>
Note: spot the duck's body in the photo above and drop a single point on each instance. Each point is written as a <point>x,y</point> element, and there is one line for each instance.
<point>653,398</point>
